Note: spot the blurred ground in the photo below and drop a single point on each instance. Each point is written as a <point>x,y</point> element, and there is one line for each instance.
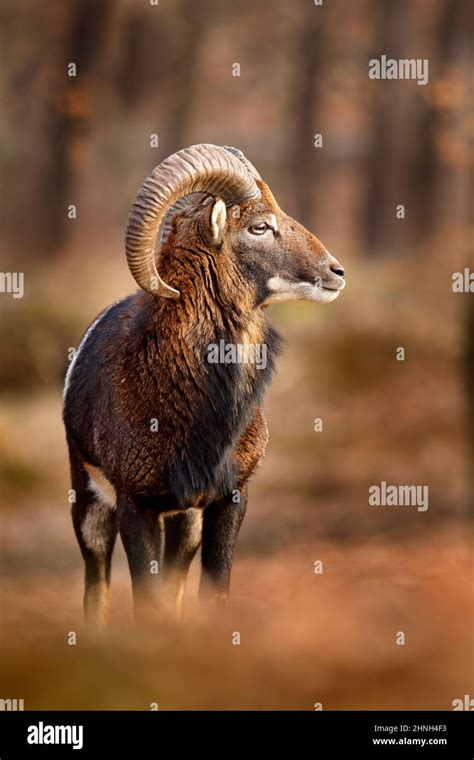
<point>305,638</point>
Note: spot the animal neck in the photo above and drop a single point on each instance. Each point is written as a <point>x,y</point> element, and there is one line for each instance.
<point>213,334</point>
<point>215,303</point>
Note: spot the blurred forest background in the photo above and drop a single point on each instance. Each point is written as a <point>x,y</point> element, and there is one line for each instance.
<point>167,70</point>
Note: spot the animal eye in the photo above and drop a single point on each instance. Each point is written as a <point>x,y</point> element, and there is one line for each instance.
<point>258,229</point>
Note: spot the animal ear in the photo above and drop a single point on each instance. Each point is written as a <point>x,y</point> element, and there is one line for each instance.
<point>218,220</point>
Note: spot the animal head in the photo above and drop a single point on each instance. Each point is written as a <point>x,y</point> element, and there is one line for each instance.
<point>213,200</point>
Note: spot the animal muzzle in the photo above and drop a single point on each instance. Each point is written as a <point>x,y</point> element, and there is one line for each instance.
<point>332,274</point>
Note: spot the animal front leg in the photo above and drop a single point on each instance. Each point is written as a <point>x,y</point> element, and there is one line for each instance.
<point>221,524</point>
<point>182,540</point>
<point>142,537</point>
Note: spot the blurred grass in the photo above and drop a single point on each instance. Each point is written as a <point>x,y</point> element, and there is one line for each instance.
<point>305,638</point>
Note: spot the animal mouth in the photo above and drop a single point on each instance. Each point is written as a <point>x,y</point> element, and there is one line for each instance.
<point>337,288</point>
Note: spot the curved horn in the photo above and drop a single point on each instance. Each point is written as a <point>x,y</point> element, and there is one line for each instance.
<point>200,168</point>
<point>194,198</point>
<point>251,168</point>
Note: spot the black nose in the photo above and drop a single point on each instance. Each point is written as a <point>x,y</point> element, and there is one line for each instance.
<point>337,269</point>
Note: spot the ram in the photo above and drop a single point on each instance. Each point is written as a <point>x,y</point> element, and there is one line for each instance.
<point>164,431</point>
